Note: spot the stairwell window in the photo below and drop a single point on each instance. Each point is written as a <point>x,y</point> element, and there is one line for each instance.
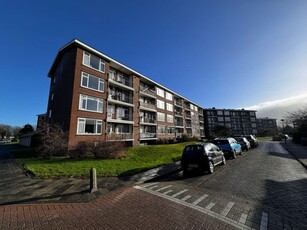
<point>93,62</point>
<point>92,82</point>
<point>89,126</point>
<point>89,103</point>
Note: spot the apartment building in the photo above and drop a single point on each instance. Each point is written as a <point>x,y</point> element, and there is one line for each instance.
<point>266,126</point>
<point>240,122</point>
<point>95,98</point>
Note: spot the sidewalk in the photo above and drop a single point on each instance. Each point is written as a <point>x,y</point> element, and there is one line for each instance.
<point>299,152</point>
<point>16,187</point>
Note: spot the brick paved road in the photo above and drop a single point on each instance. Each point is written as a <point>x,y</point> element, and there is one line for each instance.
<point>263,189</point>
<point>123,209</point>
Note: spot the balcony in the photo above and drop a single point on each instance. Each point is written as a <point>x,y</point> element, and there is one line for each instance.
<point>148,121</point>
<point>120,98</point>
<point>180,124</point>
<point>187,106</point>
<point>119,136</point>
<point>178,113</point>
<point>147,92</point>
<point>148,135</point>
<point>188,125</point>
<point>178,103</point>
<point>148,106</point>
<point>188,116</point>
<point>117,118</point>
<point>124,82</point>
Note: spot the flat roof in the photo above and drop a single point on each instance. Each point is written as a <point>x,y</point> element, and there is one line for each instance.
<point>87,47</point>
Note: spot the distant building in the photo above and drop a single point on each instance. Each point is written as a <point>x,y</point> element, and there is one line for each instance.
<point>239,121</point>
<point>266,126</point>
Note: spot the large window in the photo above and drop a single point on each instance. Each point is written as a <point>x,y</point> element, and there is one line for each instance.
<point>169,107</point>
<point>160,92</point>
<point>161,129</point>
<point>161,116</point>
<point>168,96</point>
<point>89,126</point>
<point>160,104</point>
<point>170,118</point>
<point>89,103</point>
<point>93,62</point>
<point>92,82</point>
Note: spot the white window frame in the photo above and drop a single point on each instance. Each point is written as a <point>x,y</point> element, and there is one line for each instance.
<point>169,107</point>
<point>99,101</point>
<point>159,116</point>
<point>86,60</point>
<point>82,122</point>
<point>170,118</point>
<point>169,96</point>
<point>160,104</point>
<point>100,86</point>
<point>160,92</point>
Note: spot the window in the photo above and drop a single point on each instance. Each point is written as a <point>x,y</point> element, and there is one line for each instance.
<point>161,116</point>
<point>191,107</point>
<point>160,104</point>
<point>160,92</point>
<point>219,112</point>
<point>169,107</point>
<point>227,119</point>
<point>89,126</point>
<point>52,96</point>
<point>196,109</point>
<point>50,113</point>
<point>170,118</point>
<point>170,130</point>
<point>168,96</point>
<point>93,62</point>
<point>92,82</point>
<point>90,103</point>
<point>220,119</point>
<point>226,113</point>
<point>161,129</point>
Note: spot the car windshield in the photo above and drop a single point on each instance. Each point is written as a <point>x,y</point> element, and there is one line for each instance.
<point>190,148</point>
<point>221,142</point>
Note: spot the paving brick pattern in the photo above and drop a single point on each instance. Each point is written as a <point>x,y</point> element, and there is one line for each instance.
<point>265,188</point>
<point>17,187</point>
<point>126,208</point>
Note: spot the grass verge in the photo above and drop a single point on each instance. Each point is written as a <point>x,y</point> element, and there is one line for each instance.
<point>140,158</point>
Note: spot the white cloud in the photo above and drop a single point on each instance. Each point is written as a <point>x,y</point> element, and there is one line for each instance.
<point>278,109</point>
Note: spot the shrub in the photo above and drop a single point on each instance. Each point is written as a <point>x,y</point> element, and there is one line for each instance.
<point>109,150</point>
<point>82,149</point>
<point>53,143</point>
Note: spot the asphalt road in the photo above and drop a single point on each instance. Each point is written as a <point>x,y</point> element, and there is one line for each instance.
<point>265,188</point>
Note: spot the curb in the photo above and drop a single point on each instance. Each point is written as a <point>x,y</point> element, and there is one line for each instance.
<point>295,157</point>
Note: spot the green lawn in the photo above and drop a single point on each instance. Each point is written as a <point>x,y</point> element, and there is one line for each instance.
<point>267,138</point>
<point>140,158</point>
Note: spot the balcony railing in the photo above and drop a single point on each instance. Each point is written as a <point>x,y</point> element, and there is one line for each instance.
<point>121,97</point>
<point>187,125</point>
<point>147,91</point>
<point>115,116</point>
<point>148,120</point>
<point>179,123</point>
<point>178,103</point>
<point>119,136</point>
<point>121,80</point>
<point>187,115</point>
<point>187,107</point>
<point>148,135</point>
<point>177,112</point>
<point>147,105</point>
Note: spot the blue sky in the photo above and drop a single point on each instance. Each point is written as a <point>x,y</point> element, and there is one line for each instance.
<point>223,54</point>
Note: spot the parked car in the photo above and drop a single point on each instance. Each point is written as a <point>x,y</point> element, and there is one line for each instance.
<point>245,144</point>
<point>204,156</point>
<point>229,146</point>
<point>252,140</point>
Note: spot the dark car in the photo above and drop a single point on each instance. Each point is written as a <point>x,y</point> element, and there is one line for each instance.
<point>252,140</point>
<point>229,146</point>
<point>204,156</point>
<point>244,143</point>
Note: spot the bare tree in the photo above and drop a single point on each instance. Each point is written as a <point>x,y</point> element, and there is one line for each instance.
<point>53,142</point>
<point>298,115</point>
<point>5,130</point>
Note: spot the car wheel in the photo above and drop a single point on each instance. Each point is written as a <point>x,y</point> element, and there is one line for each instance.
<point>241,152</point>
<point>234,155</point>
<point>211,167</point>
<point>223,161</point>
<point>185,172</point>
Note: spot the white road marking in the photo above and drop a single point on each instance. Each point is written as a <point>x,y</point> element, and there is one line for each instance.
<point>186,197</point>
<point>153,187</point>
<point>179,193</point>
<point>150,184</point>
<point>167,192</point>
<point>200,199</point>
<point>227,209</point>
<point>243,218</point>
<point>264,221</point>
<point>195,207</point>
<point>160,189</point>
<point>209,206</point>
